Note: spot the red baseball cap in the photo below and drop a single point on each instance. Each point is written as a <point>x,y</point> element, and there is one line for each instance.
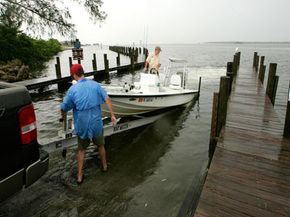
<point>75,68</point>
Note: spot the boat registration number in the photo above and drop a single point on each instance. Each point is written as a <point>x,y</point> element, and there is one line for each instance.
<point>120,127</point>
<point>145,100</point>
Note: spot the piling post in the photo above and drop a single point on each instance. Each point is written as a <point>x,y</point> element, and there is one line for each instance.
<point>235,65</point>
<point>230,74</point>
<point>272,82</point>
<point>79,61</point>
<point>70,62</point>
<point>275,89</point>
<point>223,102</point>
<point>229,66</point>
<point>105,61</point>
<point>199,86</point>
<point>257,63</point>
<point>287,117</point>
<point>239,58</point>
<point>132,60</point>
<point>118,59</point>
<point>106,65</point>
<point>262,73</point>
<point>60,86</point>
<point>136,55</point>
<point>94,64</point>
<point>254,59</point>
<point>57,68</point>
<point>214,119</point>
<point>261,63</point>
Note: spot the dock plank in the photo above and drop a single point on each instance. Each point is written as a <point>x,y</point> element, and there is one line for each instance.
<point>250,170</point>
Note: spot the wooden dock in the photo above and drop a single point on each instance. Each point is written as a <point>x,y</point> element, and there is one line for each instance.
<point>44,82</point>
<point>250,171</point>
<point>63,83</point>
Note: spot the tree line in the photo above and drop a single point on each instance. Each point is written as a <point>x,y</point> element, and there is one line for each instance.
<point>22,21</point>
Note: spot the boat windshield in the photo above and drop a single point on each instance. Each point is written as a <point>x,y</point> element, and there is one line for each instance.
<point>176,66</point>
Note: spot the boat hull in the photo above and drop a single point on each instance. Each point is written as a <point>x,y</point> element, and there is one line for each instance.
<point>133,104</point>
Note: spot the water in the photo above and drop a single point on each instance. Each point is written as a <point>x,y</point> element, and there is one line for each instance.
<point>151,168</point>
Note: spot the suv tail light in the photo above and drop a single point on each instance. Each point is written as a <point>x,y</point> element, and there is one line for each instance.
<point>27,123</point>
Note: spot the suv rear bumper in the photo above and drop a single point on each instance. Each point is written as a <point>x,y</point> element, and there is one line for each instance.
<point>24,177</point>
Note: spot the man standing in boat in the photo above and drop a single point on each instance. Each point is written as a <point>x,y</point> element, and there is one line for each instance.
<point>85,98</point>
<point>152,62</point>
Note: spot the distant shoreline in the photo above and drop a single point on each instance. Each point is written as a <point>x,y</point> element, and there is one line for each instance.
<point>248,42</point>
<point>193,43</point>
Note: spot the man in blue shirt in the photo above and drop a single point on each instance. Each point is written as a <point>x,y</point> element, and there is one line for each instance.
<point>85,98</point>
<point>77,44</point>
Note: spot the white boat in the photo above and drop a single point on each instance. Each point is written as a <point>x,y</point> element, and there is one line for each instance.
<point>153,92</point>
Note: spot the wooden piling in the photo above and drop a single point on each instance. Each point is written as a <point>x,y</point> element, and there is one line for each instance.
<point>199,86</point>
<point>106,65</point>
<point>79,61</point>
<point>214,118</point>
<point>262,73</point>
<point>105,61</point>
<point>118,59</point>
<point>58,68</point>
<point>257,63</point>
<point>132,60</point>
<point>60,86</point>
<point>231,76</point>
<point>235,65</point>
<point>254,59</point>
<point>261,63</point>
<point>272,82</point>
<point>70,61</point>
<point>223,102</point>
<point>136,55</point>
<point>275,89</point>
<point>286,132</point>
<point>229,66</point>
<point>239,58</point>
<point>94,64</point>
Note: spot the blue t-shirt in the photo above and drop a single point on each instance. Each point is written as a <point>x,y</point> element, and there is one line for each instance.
<point>85,98</point>
<point>77,44</point>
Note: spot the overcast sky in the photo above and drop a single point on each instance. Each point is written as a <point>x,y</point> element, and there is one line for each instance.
<point>186,21</point>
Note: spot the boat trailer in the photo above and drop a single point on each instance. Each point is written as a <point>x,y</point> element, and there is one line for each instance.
<point>67,139</point>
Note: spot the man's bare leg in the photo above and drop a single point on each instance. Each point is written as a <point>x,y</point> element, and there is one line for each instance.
<point>102,154</point>
<point>81,158</point>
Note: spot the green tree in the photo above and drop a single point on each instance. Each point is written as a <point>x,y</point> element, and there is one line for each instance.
<point>32,52</point>
<point>46,15</point>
